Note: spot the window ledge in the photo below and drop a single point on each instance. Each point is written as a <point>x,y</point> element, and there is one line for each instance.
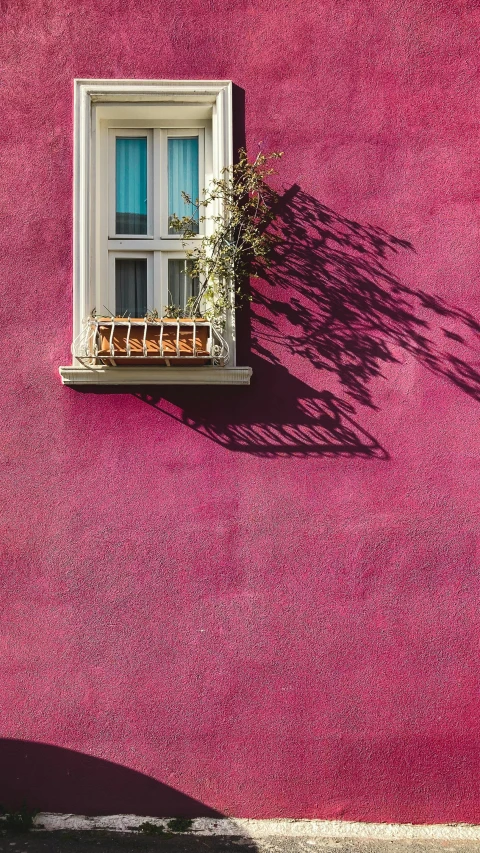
<point>208,375</point>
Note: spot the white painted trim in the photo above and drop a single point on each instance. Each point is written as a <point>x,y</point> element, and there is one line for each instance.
<point>258,829</point>
<point>82,203</point>
<point>188,91</point>
<point>207,375</point>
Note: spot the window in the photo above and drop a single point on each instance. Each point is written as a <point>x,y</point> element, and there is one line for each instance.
<point>138,146</point>
<point>145,171</point>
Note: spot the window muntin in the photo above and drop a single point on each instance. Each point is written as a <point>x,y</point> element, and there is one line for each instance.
<point>133,275</point>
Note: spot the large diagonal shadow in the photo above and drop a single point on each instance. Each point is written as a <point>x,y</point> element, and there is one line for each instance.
<point>278,415</point>
<point>331,298</point>
<point>339,305</point>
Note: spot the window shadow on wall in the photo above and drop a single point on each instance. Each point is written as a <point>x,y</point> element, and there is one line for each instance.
<point>278,415</point>
<point>331,299</point>
<point>52,779</point>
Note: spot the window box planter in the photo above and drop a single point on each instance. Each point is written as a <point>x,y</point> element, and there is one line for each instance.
<point>133,341</point>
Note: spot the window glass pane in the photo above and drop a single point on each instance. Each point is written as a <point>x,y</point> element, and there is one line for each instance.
<point>131,185</point>
<point>182,176</point>
<point>130,287</point>
<point>181,287</point>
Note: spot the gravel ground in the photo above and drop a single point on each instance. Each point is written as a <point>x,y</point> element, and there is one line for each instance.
<point>104,842</point>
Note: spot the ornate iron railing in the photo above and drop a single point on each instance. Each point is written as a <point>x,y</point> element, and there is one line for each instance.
<point>164,341</point>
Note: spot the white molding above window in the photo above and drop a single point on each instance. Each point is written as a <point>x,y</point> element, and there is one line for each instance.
<point>139,104</point>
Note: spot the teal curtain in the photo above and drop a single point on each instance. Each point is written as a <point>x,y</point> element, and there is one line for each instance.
<point>131,185</point>
<point>182,176</point>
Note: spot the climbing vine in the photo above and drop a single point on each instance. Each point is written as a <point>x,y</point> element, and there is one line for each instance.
<point>237,243</point>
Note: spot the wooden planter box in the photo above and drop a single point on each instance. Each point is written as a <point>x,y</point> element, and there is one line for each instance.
<point>137,341</point>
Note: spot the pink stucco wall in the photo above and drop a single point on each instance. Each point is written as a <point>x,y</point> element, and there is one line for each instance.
<point>265,598</point>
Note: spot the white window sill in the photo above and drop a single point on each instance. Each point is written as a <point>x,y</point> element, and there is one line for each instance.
<point>207,375</point>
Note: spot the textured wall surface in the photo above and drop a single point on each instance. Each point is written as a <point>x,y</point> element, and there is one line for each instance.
<point>265,598</point>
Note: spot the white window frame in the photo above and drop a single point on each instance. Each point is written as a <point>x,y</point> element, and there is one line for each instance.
<point>177,107</point>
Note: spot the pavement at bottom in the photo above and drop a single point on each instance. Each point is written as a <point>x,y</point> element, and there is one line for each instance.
<point>104,842</point>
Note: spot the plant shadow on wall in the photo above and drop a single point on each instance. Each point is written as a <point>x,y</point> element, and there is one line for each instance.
<point>328,297</point>
<point>347,313</point>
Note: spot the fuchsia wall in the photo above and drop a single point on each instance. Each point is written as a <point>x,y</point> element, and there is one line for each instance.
<point>265,598</point>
